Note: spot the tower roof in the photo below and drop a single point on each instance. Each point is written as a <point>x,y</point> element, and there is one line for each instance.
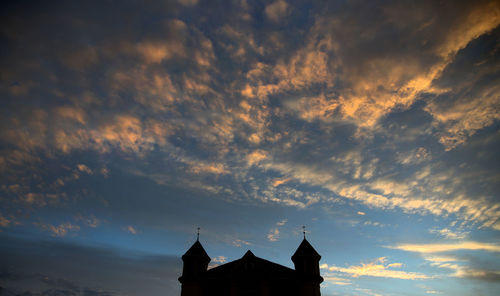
<point>196,250</point>
<point>305,250</point>
<point>251,266</point>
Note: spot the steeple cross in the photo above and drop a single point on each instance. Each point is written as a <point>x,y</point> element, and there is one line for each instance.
<point>304,231</point>
<point>198,234</point>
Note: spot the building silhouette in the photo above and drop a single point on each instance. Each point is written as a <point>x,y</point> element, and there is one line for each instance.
<point>251,275</point>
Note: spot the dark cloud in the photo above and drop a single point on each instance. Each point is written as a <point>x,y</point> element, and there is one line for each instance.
<point>481,274</point>
<point>58,268</point>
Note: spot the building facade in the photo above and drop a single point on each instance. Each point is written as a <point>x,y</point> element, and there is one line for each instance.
<point>251,275</point>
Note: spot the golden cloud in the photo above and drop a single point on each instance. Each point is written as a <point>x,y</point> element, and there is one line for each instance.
<point>256,156</point>
<point>377,268</point>
<point>439,248</point>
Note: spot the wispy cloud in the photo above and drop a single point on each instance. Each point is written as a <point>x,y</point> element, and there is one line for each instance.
<point>277,10</point>
<point>336,280</point>
<point>274,233</point>
<point>448,233</point>
<point>83,168</point>
<point>240,242</point>
<point>461,267</point>
<point>60,230</point>
<point>217,261</point>
<point>4,222</point>
<point>90,220</point>
<point>131,229</point>
<point>377,268</point>
<point>448,247</point>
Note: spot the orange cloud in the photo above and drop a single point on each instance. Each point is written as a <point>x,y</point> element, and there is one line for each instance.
<point>277,10</point>
<point>83,168</point>
<point>278,182</point>
<point>213,168</point>
<point>76,114</point>
<point>256,156</point>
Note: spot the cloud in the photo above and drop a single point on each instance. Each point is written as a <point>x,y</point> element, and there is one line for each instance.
<point>413,157</point>
<point>429,290</point>
<point>60,230</point>
<point>377,268</point>
<point>274,233</point>
<point>480,274</point>
<point>85,270</point>
<point>277,10</point>
<point>214,168</point>
<point>90,221</point>
<point>440,259</point>
<point>157,52</point>
<point>279,181</point>
<point>332,279</point>
<point>374,83</point>
<point>256,156</point>
<point>213,107</point>
<point>440,247</point>
<point>132,229</point>
<point>372,223</point>
<point>56,287</point>
<point>105,172</point>
<point>4,222</point>
<point>475,101</point>
<point>217,261</point>
<point>220,259</point>
<point>72,113</point>
<point>464,271</point>
<point>447,233</point>
<point>462,266</point>
<point>409,195</point>
<point>84,168</point>
<point>328,77</point>
<point>238,243</point>
<point>282,222</point>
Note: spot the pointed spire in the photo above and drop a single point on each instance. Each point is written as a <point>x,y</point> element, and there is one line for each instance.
<point>197,249</point>
<point>306,261</point>
<point>248,254</point>
<point>195,262</point>
<point>305,250</point>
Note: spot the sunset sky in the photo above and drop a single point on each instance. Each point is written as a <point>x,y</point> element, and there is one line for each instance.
<point>125,125</point>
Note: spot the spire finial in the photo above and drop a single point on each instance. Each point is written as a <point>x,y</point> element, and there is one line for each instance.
<point>198,234</point>
<point>304,231</point>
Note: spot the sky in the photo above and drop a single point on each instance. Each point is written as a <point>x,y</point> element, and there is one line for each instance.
<point>125,125</point>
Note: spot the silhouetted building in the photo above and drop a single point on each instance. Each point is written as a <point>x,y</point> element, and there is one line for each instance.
<point>251,275</point>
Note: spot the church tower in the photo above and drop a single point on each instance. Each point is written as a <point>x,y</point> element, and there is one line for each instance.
<point>251,275</point>
<point>195,263</point>
<point>306,261</point>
